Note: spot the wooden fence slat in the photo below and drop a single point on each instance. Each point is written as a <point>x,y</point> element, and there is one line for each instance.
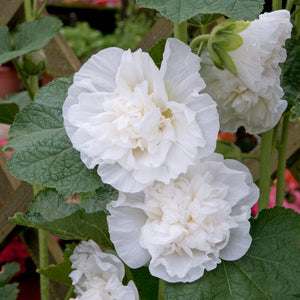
<point>8,9</point>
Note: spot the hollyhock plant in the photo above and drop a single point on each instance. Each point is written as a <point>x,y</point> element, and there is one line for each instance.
<point>139,123</point>
<point>252,98</point>
<point>99,275</point>
<point>188,225</point>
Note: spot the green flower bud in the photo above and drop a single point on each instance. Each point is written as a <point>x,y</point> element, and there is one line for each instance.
<point>225,38</point>
<point>34,63</point>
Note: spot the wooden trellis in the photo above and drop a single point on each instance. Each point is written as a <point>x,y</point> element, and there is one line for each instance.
<point>16,195</point>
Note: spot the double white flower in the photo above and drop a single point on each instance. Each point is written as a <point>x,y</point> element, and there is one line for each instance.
<point>188,225</point>
<point>140,124</point>
<point>252,99</point>
<point>98,275</point>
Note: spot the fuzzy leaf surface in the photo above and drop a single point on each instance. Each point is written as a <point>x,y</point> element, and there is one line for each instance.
<point>182,10</point>
<point>269,270</point>
<point>44,154</point>
<point>70,221</point>
<point>9,292</point>
<point>7,272</point>
<point>30,36</point>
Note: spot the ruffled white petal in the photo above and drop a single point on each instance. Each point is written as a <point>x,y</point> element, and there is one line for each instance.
<point>186,226</point>
<point>140,124</point>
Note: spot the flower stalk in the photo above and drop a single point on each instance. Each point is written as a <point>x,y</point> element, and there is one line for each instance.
<point>265,169</point>
<point>180,31</point>
<point>276,4</point>
<point>43,252</point>
<point>197,40</point>
<point>160,289</point>
<point>281,161</point>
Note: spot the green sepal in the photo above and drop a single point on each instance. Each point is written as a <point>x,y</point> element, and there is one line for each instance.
<point>229,150</point>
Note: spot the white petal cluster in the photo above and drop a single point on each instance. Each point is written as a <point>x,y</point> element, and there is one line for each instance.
<point>98,275</point>
<point>188,225</point>
<point>138,123</point>
<point>252,99</point>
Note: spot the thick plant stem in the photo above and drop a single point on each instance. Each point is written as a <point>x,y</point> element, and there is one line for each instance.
<point>265,169</point>
<point>276,4</point>
<point>180,31</point>
<point>297,19</point>
<point>28,10</point>
<point>289,5</point>
<point>160,290</point>
<point>34,83</point>
<point>282,161</point>
<point>43,252</point>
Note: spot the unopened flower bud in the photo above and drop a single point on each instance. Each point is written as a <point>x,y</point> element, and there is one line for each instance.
<point>34,63</point>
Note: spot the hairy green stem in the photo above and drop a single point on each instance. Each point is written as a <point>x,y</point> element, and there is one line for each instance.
<point>282,160</point>
<point>160,290</point>
<point>265,169</point>
<point>41,9</point>
<point>34,83</point>
<point>70,293</point>
<point>276,4</point>
<point>289,5</point>
<point>34,8</point>
<point>197,40</point>
<point>28,10</point>
<point>24,80</point>
<point>180,31</point>
<point>43,254</point>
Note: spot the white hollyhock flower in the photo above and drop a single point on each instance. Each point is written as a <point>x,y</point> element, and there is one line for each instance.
<point>98,275</point>
<point>188,225</point>
<point>139,123</point>
<point>252,99</point>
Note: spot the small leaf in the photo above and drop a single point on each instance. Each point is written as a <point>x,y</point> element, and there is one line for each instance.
<point>9,292</point>
<point>44,154</point>
<point>21,99</point>
<point>5,45</point>
<point>30,36</point>
<point>7,272</point>
<point>269,270</point>
<point>60,272</point>
<point>84,221</point>
<point>8,112</point>
<point>182,10</point>
<point>156,52</point>
<point>229,150</point>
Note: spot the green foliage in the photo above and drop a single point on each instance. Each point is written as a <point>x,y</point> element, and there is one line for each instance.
<point>86,41</point>
<point>156,52</point>
<point>11,106</point>
<point>8,291</point>
<point>291,76</point>
<point>181,10</point>
<point>61,271</point>
<point>7,272</point>
<point>229,150</point>
<point>202,20</point>
<point>69,221</point>
<point>44,154</point>
<point>269,270</point>
<point>146,284</point>
<point>30,36</point>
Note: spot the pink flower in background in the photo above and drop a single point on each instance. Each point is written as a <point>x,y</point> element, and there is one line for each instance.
<point>292,195</point>
<point>8,153</point>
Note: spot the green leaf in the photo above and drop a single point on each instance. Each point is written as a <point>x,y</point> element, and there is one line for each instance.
<point>269,270</point>
<point>8,112</point>
<point>291,76</point>
<point>156,52</point>
<point>5,45</point>
<point>30,36</point>
<point>229,150</point>
<point>9,291</point>
<point>61,271</point>
<point>295,115</point>
<point>7,272</point>
<point>21,99</point>
<point>146,284</point>
<point>44,154</point>
<point>84,221</point>
<point>204,19</point>
<point>181,10</point>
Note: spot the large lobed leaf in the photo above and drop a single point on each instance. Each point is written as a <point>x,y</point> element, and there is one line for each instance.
<point>70,221</point>
<point>44,154</point>
<point>269,270</point>
<point>8,291</point>
<point>181,10</point>
<point>30,36</point>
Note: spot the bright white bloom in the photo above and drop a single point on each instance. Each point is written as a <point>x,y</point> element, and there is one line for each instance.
<point>252,99</point>
<point>136,122</point>
<point>98,275</point>
<point>188,225</point>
